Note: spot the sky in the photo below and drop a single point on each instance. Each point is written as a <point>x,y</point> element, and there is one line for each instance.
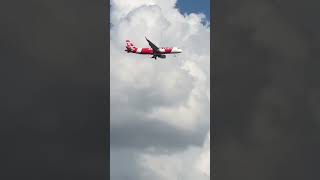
<point>192,6</point>
<point>159,110</point>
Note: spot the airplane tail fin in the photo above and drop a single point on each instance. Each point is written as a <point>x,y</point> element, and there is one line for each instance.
<point>129,46</point>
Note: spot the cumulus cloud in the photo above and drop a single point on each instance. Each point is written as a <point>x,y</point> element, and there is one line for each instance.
<point>192,163</point>
<point>159,109</point>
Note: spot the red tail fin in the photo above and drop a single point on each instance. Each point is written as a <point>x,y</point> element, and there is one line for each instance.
<point>129,45</point>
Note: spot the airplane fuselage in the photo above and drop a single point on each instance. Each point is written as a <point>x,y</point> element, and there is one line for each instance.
<point>167,50</point>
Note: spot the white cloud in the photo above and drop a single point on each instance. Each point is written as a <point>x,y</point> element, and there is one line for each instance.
<point>193,163</point>
<point>172,91</point>
<point>203,164</point>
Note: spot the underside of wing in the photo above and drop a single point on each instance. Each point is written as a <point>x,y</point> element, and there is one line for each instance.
<point>154,47</point>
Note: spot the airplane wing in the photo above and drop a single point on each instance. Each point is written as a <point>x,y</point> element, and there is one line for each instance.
<point>154,47</point>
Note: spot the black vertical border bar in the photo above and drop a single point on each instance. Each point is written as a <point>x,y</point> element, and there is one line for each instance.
<point>106,10</point>
<point>40,138</point>
<point>212,89</point>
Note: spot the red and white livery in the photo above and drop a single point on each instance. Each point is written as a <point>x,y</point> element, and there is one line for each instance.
<point>154,50</point>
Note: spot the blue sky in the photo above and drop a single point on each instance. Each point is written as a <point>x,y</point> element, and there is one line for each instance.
<point>194,6</point>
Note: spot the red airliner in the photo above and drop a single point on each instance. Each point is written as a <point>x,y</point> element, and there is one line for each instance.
<point>154,50</point>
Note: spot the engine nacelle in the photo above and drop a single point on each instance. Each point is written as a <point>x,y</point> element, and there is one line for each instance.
<point>162,56</point>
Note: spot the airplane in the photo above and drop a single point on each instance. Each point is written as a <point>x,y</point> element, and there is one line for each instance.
<point>154,50</point>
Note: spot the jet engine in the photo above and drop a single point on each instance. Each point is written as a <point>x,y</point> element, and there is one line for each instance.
<point>162,56</point>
